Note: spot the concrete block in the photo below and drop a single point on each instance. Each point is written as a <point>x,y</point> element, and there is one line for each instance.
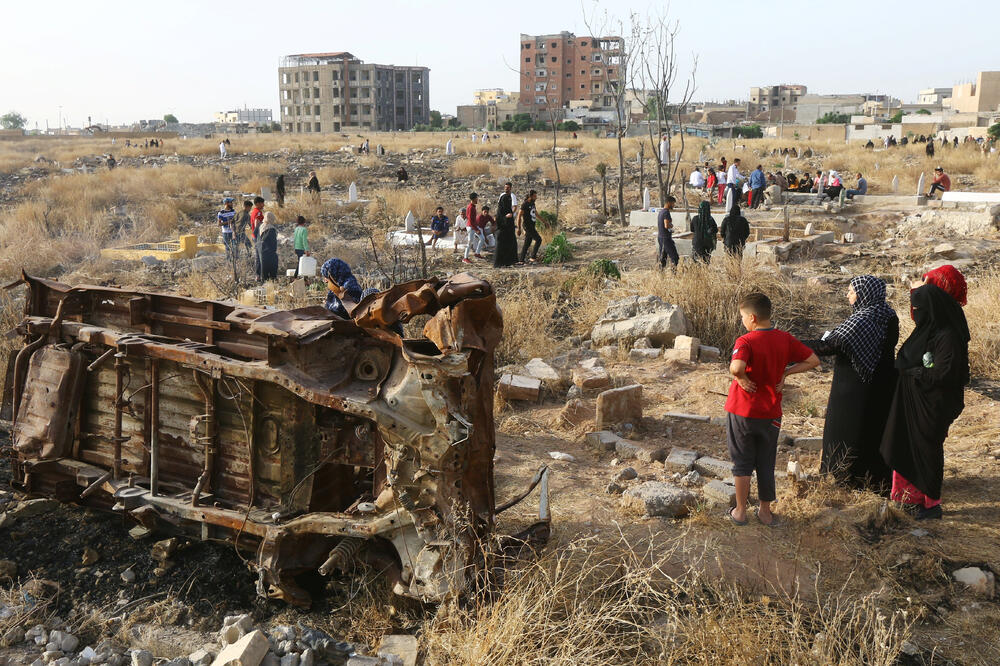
<point>709,466</point>
<point>656,498</point>
<point>595,379</point>
<point>981,582</point>
<point>627,450</point>
<point>678,355</point>
<point>402,645</point>
<point>808,443</point>
<point>519,387</point>
<point>720,492</point>
<point>248,651</point>
<point>602,440</point>
<point>644,354</point>
<point>708,354</point>
<point>680,460</point>
<point>539,369</point>
<point>620,405</point>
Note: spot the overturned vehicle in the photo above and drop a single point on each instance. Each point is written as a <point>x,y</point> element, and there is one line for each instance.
<point>309,441</point>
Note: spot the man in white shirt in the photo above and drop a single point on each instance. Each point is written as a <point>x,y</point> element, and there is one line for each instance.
<point>665,150</point>
<point>697,179</point>
<point>222,149</point>
<point>720,178</point>
<point>734,179</point>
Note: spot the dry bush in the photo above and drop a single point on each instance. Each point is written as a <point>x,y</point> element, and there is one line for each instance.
<point>265,169</point>
<point>569,173</point>
<point>469,167</point>
<point>598,602</point>
<point>983,313</point>
<point>527,313</point>
<point>399,201</point>
<point>337,175</point>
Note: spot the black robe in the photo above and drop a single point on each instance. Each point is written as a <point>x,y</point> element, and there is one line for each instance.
<point>928,399</point>
<point>506,250</point>
<point>856,414</point>
<point>267,253</point>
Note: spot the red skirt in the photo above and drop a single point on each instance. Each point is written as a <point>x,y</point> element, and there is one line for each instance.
<point>905,492</point>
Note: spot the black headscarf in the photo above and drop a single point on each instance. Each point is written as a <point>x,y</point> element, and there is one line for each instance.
<point>863,333</point>
<point>933,310</point>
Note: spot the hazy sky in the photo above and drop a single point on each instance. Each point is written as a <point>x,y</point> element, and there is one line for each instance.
<point>121,61</point>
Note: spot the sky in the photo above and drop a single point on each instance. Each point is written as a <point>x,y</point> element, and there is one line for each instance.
<point>121,61</point>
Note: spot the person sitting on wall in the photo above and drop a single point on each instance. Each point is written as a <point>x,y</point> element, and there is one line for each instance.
<point>941,182</point>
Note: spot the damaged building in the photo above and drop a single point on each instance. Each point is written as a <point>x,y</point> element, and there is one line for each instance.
<point>311,442</point>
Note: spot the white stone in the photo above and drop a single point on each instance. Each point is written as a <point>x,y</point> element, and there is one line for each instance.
<point>895,185</point>
<point>291,659</point>
<point>401,645</point>
<point>920,184</point>
<point>976,197</point>
<point>559,455</point>
<point>721,492</point>
<point>708,354</point>
<point>680,460</point>
<point>689,417</point>
<point>352,193</point>
<point>602,440</point>
<point>710,466</point>
<point>639,317</point>
<point>645,198</point>
<point>539,369</point>
<point>248,651</point>
<point>519,387</point>
<point>410,222</point>
<point>201,657</point>
<point>981,582</point>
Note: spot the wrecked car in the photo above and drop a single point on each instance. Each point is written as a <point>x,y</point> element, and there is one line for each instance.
<point>311,442</point>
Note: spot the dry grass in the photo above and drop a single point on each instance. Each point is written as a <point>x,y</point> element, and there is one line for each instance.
<point>464,168</point>
<point>527,313</point>
<point>983,313</point>
<point>600,601</point>
<point>337,175</point>
<point>399,201</point>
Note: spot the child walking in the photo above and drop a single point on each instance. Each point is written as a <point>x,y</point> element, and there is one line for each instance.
<point>301,240</point>
<point>759,367</point>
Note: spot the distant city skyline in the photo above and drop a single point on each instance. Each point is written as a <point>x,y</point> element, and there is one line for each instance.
<point>194,59</point>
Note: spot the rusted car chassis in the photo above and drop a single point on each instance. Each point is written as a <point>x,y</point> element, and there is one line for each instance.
<point>310,441</point>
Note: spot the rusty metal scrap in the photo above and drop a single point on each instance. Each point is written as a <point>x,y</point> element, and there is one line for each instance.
<point>309,441</point>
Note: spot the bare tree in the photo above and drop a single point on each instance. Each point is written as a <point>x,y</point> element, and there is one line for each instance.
<point>654,81</point>
<point>617,57</point>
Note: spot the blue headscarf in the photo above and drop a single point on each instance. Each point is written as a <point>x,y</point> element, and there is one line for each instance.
<point>338,271</point>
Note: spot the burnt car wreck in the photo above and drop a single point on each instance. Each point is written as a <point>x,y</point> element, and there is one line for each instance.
<point>309,441</point>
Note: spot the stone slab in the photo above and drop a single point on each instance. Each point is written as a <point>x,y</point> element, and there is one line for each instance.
<point>539,369</point>
<point>247,651</point>
<point>889,200</point>
<point>619,405</point>
<point>593,379</point>
<point>657,498</point>
<point>808,443</point>
<point>680,460</point>
<point>403,646</point>
<point>689,417</point>
<point>720,492</point>
<point>707,354</point>
<point>649,354</point>
<point>519,387</point>
<point>602,440</point>
<point>709,466</point>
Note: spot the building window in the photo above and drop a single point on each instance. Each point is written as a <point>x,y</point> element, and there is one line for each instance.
<point>316,110</point>
<point>597,72</point>
<point>318,127</point>
<point>527,46</point>
<point>305,93</point>
<point>555,44</point>
<point>298,110</point>
<point>553,59</point>
<point>583,43</point>
<point>315,93</point>
<point>583,58</point>
<point>539,100</point>
<point>296,77</point>
<point>284,77</point>
<point>583,86</point>
<point>540,73</point>
<point>315,76</point>
<point>568,75</point>
<point>527,60</point>
<point>366,75</point>
<point>597,57</point>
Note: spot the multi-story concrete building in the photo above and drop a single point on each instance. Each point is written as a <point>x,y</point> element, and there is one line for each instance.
<point>559,68</point>
<point>983,96</point>
<point>252,117</point>
<point>336,92</point>
<point>485,96</point>
<point>765,98</point>
<point>489,114</point>
<point>933,96</point>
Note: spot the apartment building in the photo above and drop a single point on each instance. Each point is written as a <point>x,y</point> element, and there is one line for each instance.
<point>336,92</point>
<point>765,98</point>
<point>485,96</point>
<point>560,68</point>
<point>252,117</point>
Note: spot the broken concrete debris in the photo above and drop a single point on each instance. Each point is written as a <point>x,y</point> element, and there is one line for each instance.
<point>246,651</point>
<point>619,405</point>
<point>592,379</point>
<point>688,345</point>
<point>680,460</point>
<point>709,466</point>
<point>519,387</point>
<point>658,498</point>
<point>631,319</point>
<point>983,583</point>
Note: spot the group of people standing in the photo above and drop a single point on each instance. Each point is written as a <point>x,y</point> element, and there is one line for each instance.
<point>889,413</point>
<point>261,244</point>
<point>482,232</point>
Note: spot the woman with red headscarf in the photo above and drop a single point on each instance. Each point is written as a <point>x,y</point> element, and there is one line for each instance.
<point>933,367</point>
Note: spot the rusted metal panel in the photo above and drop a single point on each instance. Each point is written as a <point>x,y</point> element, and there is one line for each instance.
<point>303,438</point>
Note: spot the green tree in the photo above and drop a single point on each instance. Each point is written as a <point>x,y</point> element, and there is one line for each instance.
<point>275,126</point>
<point>832,118</point>
<point>436,119</point>
<point>568,126</point>
<point>170,118</point>
<point>748,132</point>
<point>453,122</point>
<point>994,132</point>
<point>13,120</point>
<point>923,112</point>
<point>540,126</point>
<point>897,117</point>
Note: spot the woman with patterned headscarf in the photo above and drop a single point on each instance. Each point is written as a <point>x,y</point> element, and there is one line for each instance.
<point>933,368</point>
<point>863,382</point>
<point>343,290</point>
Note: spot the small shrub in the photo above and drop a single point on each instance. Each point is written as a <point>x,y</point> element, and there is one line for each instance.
<point>604,268</point>
<point>547,220</point>
<point>558,251</point>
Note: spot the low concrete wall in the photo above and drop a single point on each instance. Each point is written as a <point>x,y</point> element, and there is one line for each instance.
<point>973,197</point>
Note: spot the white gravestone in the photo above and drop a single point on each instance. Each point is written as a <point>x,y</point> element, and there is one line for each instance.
<point>645,199</point>
<point>920,185</point>
<point>895,184</point>
<point>352,193</point>
<point>410,224</point>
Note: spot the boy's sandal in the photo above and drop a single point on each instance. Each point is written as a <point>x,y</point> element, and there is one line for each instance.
<point>775,522</point>
<point>733,518</point>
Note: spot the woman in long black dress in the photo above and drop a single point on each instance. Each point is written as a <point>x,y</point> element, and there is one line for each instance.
<point>863,381</point>
<point>506,250</point>
<point>933,368</point>
<point>267,248</point>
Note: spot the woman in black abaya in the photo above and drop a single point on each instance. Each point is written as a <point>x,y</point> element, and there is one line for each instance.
<point>933,367</point>
<point>863,381</point>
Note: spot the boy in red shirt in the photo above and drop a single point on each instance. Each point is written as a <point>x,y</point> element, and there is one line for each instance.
<point>759,368</point>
